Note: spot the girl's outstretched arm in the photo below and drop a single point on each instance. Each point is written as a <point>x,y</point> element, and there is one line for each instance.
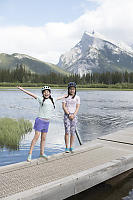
<point>27,92</point>
<point>59,98</point>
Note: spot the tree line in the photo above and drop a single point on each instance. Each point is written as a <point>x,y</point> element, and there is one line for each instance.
<point>21,75</point>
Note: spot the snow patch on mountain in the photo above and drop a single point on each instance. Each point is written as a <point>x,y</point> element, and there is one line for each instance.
<point>22,56</point>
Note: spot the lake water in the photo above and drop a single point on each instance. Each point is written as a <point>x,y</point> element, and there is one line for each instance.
<point>101,112</point>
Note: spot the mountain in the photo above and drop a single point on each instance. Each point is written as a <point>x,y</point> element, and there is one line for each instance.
<point>131,46</point>
<point>34,65</point>
<point>95,53</point>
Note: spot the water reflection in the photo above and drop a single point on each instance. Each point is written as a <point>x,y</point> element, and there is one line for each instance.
<point>103,112</point>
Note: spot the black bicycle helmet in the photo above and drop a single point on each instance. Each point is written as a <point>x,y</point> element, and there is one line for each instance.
<point>71,84</point>
<point>46,88</point>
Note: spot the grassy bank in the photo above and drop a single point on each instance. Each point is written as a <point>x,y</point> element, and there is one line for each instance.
<point>12,131</point>
<point>119,86</point>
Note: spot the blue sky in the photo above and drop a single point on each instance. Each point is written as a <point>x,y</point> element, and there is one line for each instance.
<point>40,12</point>
<point>45,29</point>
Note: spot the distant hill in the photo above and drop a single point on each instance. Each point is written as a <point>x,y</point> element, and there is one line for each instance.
<point>34,65</point>
<point>95,53</point>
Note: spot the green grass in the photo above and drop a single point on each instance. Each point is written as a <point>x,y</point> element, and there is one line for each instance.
<point>98,86</point>
<point>12,132</point>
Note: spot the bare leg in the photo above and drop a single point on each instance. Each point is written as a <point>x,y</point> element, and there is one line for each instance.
<point>66,139</point>
<point>43,139</point>
<point>36,136</point>
<point>72,137</point>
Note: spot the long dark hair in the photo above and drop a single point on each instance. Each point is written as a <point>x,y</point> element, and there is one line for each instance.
<point>50,99</point>
<point>69,93</point>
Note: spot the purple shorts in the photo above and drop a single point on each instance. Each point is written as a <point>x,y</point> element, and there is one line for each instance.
<point>41,125</point>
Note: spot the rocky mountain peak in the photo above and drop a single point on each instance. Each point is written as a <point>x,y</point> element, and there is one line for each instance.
<point>95,53</point>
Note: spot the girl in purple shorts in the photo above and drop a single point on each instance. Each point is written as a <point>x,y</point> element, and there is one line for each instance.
<point>41,124</point>
<point>70,105</point>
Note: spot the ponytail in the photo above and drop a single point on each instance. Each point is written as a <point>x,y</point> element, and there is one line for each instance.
<point>52,101</point>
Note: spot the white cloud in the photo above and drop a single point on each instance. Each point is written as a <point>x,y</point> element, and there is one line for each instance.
<point>112,18</point>
<point>45,43</point>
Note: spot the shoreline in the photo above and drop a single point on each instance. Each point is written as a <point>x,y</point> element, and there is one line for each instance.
<point>5,88</point>
<point>80,86</point>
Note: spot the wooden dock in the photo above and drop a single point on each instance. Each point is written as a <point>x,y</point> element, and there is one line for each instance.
<point>64,175</point>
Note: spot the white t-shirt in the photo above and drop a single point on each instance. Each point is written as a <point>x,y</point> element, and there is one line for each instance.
<point>71,103</point>
<point>46,111</point>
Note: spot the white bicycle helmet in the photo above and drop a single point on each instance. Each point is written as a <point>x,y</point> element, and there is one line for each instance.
<point>46,88</point>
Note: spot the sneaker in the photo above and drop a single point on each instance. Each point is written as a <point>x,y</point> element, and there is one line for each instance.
<point>66,150</point>
<point>29,158</point>
<point>44,156</point>
<point>71,149</point>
